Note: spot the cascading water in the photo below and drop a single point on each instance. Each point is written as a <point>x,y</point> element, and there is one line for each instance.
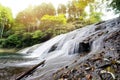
<point>65,43</point>
<point>64,49</point>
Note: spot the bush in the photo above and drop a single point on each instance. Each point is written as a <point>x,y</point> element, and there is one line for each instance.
<point>115,4</point>
<point>14,41</point>
<point>2,43</point>
<point>19,40</point>
<point>37,36</point>
<point>26,40</point>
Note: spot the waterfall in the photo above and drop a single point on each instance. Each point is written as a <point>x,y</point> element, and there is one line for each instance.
<point>74,42</point>
<point>65,44</point>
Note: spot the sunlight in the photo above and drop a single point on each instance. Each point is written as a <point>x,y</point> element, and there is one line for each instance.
<point>18,5</point>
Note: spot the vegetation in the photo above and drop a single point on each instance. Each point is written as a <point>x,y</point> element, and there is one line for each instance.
<point>115,5</point>
<point>6,21</point>
<point>30,28</point>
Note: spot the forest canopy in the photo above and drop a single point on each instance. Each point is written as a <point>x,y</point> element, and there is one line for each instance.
<point>36,24</point>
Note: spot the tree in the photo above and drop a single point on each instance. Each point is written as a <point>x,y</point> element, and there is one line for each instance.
<point>48,21</point>
<point>95,12</point>
<point>53,25</point>
<point>71,9</point>
<point>76,8</point>
<point>6,20</point>
<point>27,18</point>
<point>30,17</point>
<point>61,9</point>
<point>115,4</point>
<point>82,4</point>
<point>44,9</point>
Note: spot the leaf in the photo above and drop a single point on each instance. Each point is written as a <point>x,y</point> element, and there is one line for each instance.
<point>88,76</point>
<point>104,71</point>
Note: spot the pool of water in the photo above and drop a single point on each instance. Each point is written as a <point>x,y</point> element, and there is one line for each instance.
<point>13,65</point>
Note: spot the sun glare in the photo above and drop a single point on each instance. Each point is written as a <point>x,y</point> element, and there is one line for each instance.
<point>18,5</point>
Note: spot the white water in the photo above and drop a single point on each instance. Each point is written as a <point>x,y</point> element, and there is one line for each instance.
<point>65,43</point>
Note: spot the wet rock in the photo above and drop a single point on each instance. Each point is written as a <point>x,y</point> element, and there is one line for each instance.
<point>84,48</point>
<point>66,66</point>
<point>74,70</point>
<point>52,48</point>
<point>100,27</point>
<point>100,23</point>
<point>101,66</point>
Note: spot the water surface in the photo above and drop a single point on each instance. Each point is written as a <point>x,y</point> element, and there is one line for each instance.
<point>11,65</point>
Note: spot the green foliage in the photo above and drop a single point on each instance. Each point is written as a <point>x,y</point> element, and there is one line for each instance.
<point>82,4</point>
<point>30,17</point>
<point>17,27</point>
<point>44,9</point>
<point>61,9</point>
<point>5,12</point>
<point>52,21</point>
<point>40,23</point>
<point>76,8</point>
<point>21,40</point>
<point>26,17</point>
<point>37,34</point>
<point>95,17</point>
<point>115,4</point>
<point>14,40</point>
<point>53,25</point>
<point>72,10</point>
<point>6,20</point>
<point>2,43</point>
<point>26,40</point>
<point>60,19</point>
<point>10,42</point>
<point>95,14</point>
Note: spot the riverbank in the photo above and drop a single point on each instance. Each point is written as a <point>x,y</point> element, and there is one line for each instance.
<point>2,50</point>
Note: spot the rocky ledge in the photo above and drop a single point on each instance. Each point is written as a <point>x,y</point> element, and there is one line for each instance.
<point>103,65</point>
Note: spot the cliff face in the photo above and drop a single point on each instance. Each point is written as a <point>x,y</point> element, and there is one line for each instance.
<point>104,65</point>
<point>93,53</point>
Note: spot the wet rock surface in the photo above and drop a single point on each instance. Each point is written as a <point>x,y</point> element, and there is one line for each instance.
<point>103,65</point>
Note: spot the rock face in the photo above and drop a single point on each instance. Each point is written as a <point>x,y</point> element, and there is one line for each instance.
<point>101,66</point>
